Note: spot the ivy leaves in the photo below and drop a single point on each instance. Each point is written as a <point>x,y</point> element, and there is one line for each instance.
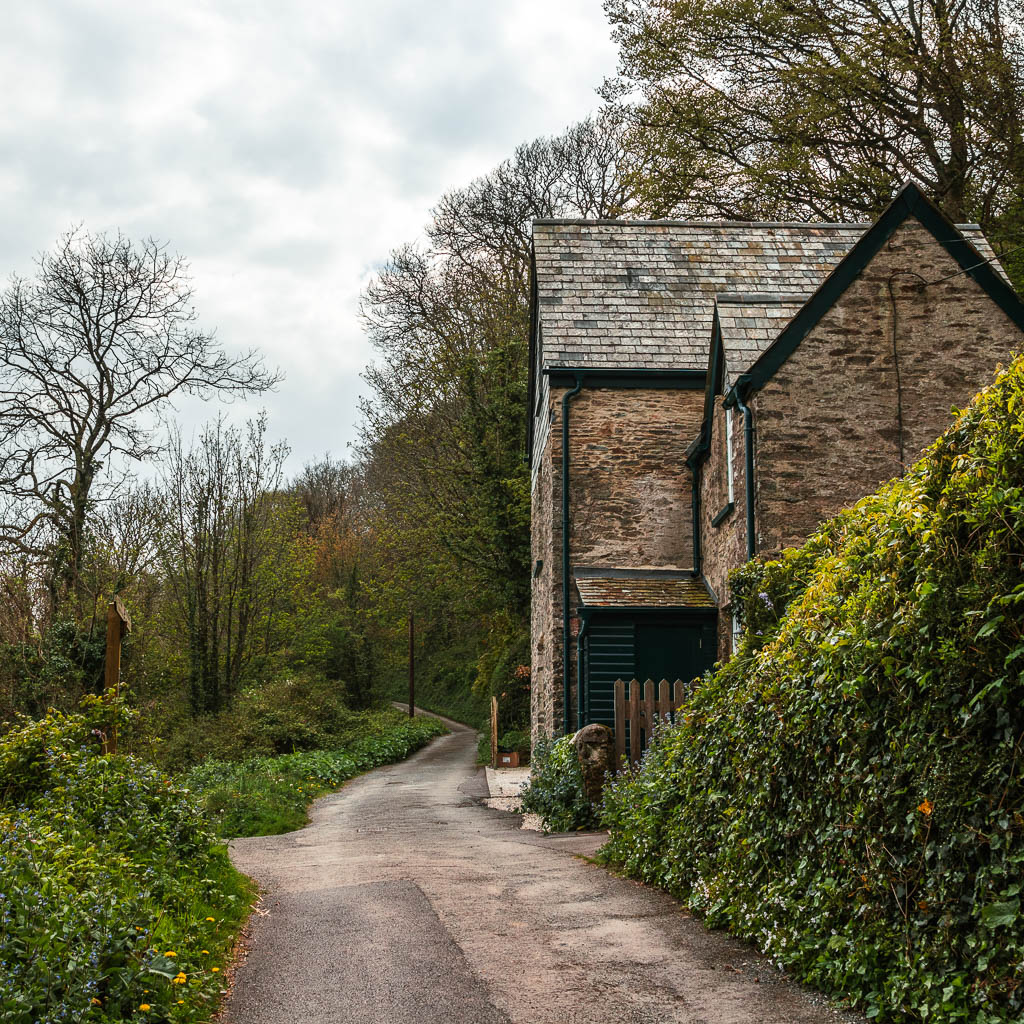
<point>846,792</point>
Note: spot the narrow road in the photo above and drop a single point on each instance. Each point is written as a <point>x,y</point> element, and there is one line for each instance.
<point>405,900</point>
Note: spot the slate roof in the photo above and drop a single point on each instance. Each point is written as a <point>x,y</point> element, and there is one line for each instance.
<point>749,323</point>
<point>643,591</point>
<point>640,294</point>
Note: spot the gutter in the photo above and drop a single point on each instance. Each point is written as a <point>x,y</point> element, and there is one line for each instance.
<point>566,626</point>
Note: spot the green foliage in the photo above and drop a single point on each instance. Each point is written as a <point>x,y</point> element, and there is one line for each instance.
<point>106,868</point>
<point>556,788</point>
<point>846,792</point>
<point>789,109</point>
<point>515,739</point>
<point>269,795</point>
<point>296,712</point>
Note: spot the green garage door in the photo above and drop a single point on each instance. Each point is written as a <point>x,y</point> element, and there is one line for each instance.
<point>656,646</point>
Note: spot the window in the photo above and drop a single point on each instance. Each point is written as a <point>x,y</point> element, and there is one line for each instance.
<point>728,452</point>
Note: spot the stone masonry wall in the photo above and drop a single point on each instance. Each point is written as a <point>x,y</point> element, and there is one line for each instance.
<point>827,424</point>
<point>723,546</point>
<point>630,507</point>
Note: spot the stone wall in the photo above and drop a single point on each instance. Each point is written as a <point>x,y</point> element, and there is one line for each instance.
<point>828,424</point>
<point>630,507</point>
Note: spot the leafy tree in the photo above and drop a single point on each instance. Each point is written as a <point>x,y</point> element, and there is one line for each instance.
<point>781,108</point>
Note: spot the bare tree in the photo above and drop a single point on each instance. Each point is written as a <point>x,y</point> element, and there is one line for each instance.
<point>226,553</point>
<point>91,349</point>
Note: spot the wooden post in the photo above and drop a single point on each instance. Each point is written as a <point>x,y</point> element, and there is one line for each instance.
<point>494,732</point>
<point>412,664</point>
<point>118,623</point>
<point>620,723</point>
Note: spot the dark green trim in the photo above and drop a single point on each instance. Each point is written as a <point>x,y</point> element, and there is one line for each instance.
<point>721,516</point>
<point>910,201</point>
<point>671,380</point>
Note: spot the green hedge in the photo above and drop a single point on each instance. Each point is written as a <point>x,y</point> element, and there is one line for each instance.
<point>846,792</point>
<point>116,902</point>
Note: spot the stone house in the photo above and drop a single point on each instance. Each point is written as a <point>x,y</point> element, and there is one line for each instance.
<point>703,392</point>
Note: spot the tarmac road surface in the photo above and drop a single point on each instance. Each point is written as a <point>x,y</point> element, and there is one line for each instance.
<point>405,900</point>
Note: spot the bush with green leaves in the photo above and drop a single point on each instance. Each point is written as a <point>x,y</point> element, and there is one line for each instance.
<point>270,795</point>
<point>556,791</point>
<point>846,792</point>
<point>113,892</point>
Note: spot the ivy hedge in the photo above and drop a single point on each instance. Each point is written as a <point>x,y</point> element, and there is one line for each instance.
<point>846,792</point>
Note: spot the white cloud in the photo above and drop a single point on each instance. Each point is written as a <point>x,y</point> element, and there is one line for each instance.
<point>283,148</point>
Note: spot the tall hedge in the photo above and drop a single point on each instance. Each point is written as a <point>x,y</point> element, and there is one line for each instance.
<point>846,792</point>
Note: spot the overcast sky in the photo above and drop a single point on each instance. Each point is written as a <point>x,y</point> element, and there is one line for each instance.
<point>283,148</point>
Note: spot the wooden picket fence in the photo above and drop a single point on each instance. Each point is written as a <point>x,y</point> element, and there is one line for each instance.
<point>642,713</point>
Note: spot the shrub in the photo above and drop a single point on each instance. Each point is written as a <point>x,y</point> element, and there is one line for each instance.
<point>846,792</point>
<point>105,866</point>
<point>555,791</point>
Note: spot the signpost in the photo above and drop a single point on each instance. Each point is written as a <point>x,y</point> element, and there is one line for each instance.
<point>118,624</point>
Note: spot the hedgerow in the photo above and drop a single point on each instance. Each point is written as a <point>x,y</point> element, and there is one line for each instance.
<point>116,902</point>
<point>269,795</point>
<point>846,791</point>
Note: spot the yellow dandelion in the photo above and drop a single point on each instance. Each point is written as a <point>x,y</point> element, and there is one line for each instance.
<point>143,1007</point>
<point>181,978</point>
<point>206,952</point>
<point>214,969</point>
<point>181,1002</point>
<point>96,1002</point>
<point>209,919</point>
<point>170,952</point>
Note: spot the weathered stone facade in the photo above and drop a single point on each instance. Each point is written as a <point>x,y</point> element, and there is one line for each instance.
<point>629,506</point>
<point>829,422</point>
<point>849,344</point>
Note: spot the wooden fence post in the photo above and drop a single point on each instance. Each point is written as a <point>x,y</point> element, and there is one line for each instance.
<point>118,623</point>
<point>494,732</point>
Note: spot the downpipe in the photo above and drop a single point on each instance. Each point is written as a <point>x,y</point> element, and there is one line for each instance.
<point>566,620</point>
<point>748,474</point>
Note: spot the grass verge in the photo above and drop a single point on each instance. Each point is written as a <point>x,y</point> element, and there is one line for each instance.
<point>270,795</point>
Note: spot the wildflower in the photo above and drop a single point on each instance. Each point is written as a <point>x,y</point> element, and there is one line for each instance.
<point>170,952</point>
<point>206,952</point>
<point>181,978</point>
<point>209,919</point>
<point>96,1002</point>
<point>925,807</point>
<point>143,1007</point>
<point>215,969</point>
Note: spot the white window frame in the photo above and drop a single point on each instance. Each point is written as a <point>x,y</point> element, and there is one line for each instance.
<point>728,455</point>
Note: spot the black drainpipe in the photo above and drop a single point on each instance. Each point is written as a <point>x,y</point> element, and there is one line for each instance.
<point>566,626</point>
<point>748,475</point>
<point>695,465</point>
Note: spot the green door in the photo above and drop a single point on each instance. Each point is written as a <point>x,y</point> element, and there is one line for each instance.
<point>642,646</point>
<point>667,650</point>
